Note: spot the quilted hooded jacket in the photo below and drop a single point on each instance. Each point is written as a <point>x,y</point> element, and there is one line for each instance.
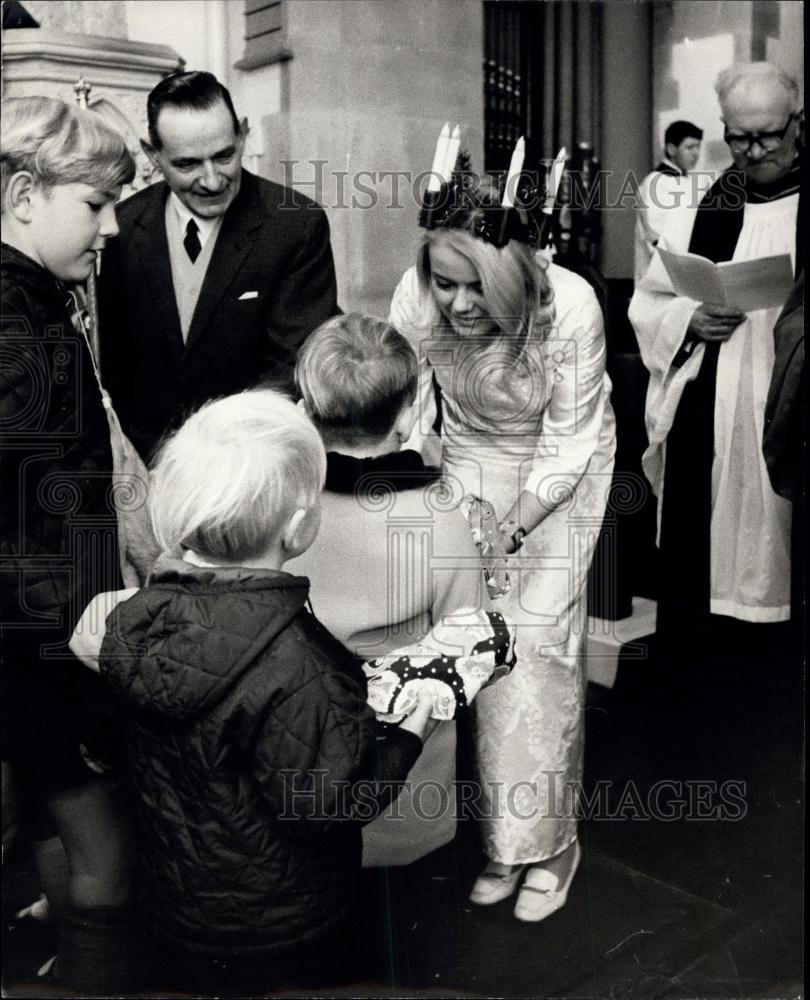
<point>248,722</point>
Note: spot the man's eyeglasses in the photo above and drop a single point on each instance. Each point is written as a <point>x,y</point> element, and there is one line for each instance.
<point>741,142</point>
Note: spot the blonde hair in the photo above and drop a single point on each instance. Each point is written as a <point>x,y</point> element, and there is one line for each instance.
<point>355,373</point>
<point>513,280</point>
<point>754,77</point>
<point>60,144</point>
<point>230,478</point>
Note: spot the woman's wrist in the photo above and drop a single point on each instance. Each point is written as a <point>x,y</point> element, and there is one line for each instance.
<point>512,534</point>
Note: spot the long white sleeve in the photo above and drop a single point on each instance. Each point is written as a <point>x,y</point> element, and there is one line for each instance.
<point>660,319</point>
<point>578,416</point>
<point>412,314</point>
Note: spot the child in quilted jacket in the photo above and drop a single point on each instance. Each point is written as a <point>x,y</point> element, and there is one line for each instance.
<point>252,751</point>
<point>62,172</point>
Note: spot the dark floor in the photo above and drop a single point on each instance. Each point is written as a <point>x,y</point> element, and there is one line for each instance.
<point>663,906</point>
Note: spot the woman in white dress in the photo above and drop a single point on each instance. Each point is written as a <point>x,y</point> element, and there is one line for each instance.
<point>516,348</point>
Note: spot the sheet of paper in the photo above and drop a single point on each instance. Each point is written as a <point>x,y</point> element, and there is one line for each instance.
<point>746,285</point>
<point>757,284</point>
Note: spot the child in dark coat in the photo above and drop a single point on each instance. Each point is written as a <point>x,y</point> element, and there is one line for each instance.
<point>62,172</point>
<point>253,753</point>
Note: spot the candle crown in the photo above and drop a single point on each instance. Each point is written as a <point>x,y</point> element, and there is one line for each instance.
<point>477,205</point>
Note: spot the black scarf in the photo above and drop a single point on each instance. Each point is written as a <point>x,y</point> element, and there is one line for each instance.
<point>719,218</point>
<point>668,170</point>
<point>394,472</point>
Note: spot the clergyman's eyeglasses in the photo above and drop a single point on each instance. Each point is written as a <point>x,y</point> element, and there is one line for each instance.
<point>741,142</point>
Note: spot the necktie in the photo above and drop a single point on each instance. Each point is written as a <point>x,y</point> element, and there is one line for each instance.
<point>191,241</point>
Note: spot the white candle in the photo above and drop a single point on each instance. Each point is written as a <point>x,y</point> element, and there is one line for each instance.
<point>452,154</point>
<point>515,167</point>
<point>554,178</point>
<point>439,157</point>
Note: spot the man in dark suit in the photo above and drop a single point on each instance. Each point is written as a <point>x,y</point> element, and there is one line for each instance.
<point>217,275</point>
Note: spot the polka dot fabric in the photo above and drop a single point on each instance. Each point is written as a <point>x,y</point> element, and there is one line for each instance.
<point>435,665</point>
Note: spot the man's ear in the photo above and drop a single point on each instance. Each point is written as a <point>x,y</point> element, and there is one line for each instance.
<point>244,130</point>
<point>151,153</point>
<point>20,188</point>
<point>670,149</point>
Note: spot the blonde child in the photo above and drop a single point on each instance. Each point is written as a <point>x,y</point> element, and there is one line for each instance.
<point>62,172</point>
<point>250,736</point>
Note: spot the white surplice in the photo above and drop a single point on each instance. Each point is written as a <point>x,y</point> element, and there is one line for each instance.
<point>750,524</point>
<point>658,195</point>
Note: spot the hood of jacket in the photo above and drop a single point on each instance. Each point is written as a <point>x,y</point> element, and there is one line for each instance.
<point>177,647</point>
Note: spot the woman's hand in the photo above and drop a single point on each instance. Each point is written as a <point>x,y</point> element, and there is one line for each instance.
<point>508,539</point>
<point>85,643</point>
<point>714,323</point>
<point>527,513</point>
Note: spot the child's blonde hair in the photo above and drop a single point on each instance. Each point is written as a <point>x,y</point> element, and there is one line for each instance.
<point>230,478</point>
<point>355,373</point>
<point>59,144</point>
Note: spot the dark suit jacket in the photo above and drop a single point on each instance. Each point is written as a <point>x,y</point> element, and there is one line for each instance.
<point>784,435</point>
<point>273,241</point>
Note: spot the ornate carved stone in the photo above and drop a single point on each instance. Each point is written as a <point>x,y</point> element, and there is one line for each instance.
<point>118,72</point>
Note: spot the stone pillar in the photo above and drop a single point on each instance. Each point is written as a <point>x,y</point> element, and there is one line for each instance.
<point>368,87</point>
<point>626,117</point>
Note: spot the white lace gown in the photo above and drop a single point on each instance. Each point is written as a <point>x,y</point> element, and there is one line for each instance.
<point>543,424</point>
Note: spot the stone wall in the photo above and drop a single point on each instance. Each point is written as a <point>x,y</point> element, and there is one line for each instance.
<point>369,85</point>
<point>87,17</point>
<point>678,49</point>
<point>692,42</point>
<point>120,73</point>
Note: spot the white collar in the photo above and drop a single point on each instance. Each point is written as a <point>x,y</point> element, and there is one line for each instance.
<point>183,214</point>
